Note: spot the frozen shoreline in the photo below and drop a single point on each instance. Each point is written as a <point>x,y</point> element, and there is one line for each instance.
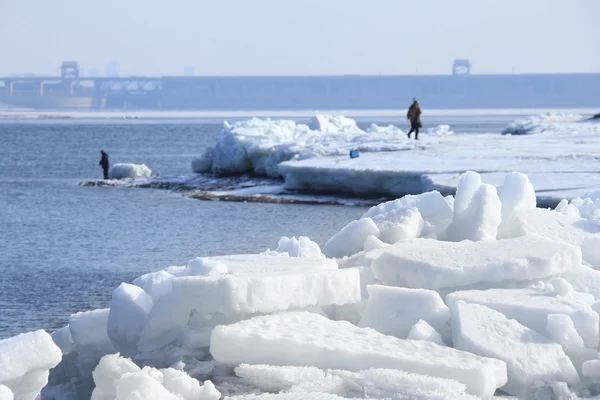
<point>478,295</point>
<point>557,151</point>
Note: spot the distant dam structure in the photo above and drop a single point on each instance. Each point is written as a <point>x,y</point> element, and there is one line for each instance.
<point>459,90</point>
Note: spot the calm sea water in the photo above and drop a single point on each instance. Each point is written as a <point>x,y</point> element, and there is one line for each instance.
<point>64,248</point>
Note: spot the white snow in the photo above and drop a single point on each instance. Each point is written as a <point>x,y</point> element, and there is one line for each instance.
<point>432,264</point>
<point>133,171</point>
<point>25,361</point>
<point>393,311</point>
<point>313,340</point>
<point>531,307</point>
<point>529,356</point>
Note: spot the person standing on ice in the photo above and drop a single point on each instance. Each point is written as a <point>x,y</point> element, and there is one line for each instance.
<point>104,163</point>
<point>414,117</point>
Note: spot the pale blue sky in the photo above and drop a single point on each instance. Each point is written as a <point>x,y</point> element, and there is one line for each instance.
<point>297,37</point>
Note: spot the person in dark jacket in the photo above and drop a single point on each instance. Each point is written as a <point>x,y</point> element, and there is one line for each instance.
<point>104,163</point>
<point>414,117</point>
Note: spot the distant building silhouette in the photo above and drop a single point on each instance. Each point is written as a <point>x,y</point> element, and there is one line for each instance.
<point>112,69</point>
<point>461,67</point>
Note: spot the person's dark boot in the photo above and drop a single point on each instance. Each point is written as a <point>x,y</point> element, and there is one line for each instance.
<point>408,134</point>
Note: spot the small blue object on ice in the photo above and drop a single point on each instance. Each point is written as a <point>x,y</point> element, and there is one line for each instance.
<point>353,153</point>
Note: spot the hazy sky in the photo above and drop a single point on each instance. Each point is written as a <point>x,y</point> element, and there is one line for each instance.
<point>295,37</point>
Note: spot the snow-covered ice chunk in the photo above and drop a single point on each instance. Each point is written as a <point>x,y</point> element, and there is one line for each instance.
<point>393,311</point>
<point>529,356</point>
<point>560,328</point>
<point>334,124</point>
<point>6,393</point>
<point>399,225</point>
<point>481,217</point>
<point>591,369</point>
<point>299,247</point>
<point>585,279</point>
<point>156,284</point>
<point>540,123</point>
<point>255,284</point>
<point>64,341</point>
<point>25,360</point>
<point>122,171</point>
<point>205,266</point>
<point>89,331</point>
<point>129,310</point>
<point>373,243</point>
<point>433,208</point>
<point>468,184</point>
<point>351,239</point>
<point>432,264</point>
<point>423,331</point>
<point>140,385</point>
<point>517,196</point>
<point>109,370</point>
<point>312,340</point>
<point>251,293</point>
<point>531,307</point>
<point>117,378</point>
<point>557,226</point>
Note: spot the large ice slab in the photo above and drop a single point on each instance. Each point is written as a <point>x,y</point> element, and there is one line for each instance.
<point>393,311</point>
<point>531,307</point>
<point>432,264</point>
<point>129,311</point>
<point>557,226</point>
<point>89,331</point>
<point>242,285</point>
<point>529,356</point>
<point>312,340</point>
<point>25,360</point>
